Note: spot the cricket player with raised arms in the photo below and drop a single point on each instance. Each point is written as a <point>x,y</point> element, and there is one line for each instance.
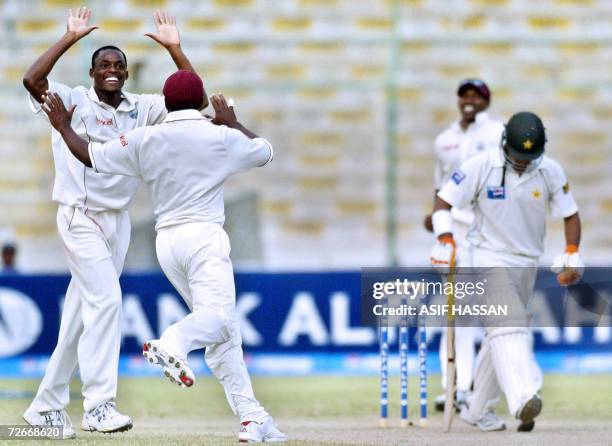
<point>93,224</point>
<point>510,191</point>
<point>184,162</point>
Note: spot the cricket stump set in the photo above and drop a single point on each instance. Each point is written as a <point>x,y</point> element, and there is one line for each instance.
<point>404,342</point>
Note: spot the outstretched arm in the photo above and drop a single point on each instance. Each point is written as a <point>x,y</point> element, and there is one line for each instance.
<point>60,119</point>
<point>167,35</point>
<point>35,79</point>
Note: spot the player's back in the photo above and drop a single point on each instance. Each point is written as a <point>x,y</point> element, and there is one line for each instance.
<point>185,160</point>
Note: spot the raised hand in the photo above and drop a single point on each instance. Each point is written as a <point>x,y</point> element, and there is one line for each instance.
<point>77,22</point>
<point>167,33</point>
<point>224,112</point>
<point>59,117</point>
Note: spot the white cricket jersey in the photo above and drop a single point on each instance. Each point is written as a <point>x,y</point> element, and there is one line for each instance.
<point>95,121</point>
<point>509,219</point>
<point>454,146</point>
<point>184,162</point>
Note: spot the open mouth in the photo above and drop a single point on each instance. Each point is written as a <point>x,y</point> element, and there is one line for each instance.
<point>469,108</point>
<point>113,80</point>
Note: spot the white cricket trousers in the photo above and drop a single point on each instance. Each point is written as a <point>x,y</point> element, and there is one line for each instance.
<point>195,258</point>
<point>95,244</point>
<point>505,362</point>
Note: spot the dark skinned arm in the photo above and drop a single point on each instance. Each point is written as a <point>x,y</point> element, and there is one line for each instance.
<point>60,119</point>
<point>572,228</point>
<point>427,220</point>
<point>167,35</point>
<point>224,115</point>
<point>35,78</point>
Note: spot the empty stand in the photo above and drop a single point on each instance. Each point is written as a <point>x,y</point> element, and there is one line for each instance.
<point>311,75</point>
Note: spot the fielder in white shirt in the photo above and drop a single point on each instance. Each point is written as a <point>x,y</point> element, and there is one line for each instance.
<point>184,161</point>
<point>474,133</point>
<point>93,224</point>
<point>510,191</point>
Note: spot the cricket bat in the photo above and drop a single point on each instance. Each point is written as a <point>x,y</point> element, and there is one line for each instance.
<point>451,372</point>
<point>451,367</point>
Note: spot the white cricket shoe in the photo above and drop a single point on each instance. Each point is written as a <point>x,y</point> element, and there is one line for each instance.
<point>489,423</point>
<point>266,432</point>
<point>527,414</point>
<point>175,368</point>
<point>105,418</point>
<point>51,418</point>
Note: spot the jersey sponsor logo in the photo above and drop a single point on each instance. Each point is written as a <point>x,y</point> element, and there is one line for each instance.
<point>496,192</point>
<point>108,121</point>
<point>20,322</point>
<point>458,177</point>
<point>133,114</point>
<point>123,141</point>
<point>566,188</point>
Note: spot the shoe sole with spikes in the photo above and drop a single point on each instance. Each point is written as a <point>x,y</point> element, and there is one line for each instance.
<point>176,370</point>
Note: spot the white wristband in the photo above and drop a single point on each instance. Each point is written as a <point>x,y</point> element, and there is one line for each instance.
<point>442,222</point>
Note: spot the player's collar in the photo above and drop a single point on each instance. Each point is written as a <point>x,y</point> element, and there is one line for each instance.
<point>182,115</point>
<point>128,103</point>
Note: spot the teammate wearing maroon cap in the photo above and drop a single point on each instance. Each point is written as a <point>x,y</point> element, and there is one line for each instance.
<point>184,162</point>
<point>93,224</point>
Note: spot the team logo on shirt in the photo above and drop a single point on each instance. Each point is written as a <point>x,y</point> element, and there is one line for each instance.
<point>457,177</point>
<point>536,194</point>
<point>101,121</point>
<point>496,192</point>
<point>123,141</point>
<point>566,188</point>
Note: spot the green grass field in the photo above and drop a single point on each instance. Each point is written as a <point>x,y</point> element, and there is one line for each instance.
<point>328,410</point>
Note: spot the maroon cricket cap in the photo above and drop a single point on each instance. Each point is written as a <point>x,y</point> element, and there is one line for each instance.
<point>183,89</point>
<point>479,85</point>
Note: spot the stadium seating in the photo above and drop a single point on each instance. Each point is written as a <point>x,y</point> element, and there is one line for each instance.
<point>313,76</point>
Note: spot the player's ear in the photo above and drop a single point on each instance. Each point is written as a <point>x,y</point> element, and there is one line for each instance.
<point>91,72</point>
<point>127,74</point>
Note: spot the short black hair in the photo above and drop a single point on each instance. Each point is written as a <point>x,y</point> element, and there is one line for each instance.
<point>97,52</point>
